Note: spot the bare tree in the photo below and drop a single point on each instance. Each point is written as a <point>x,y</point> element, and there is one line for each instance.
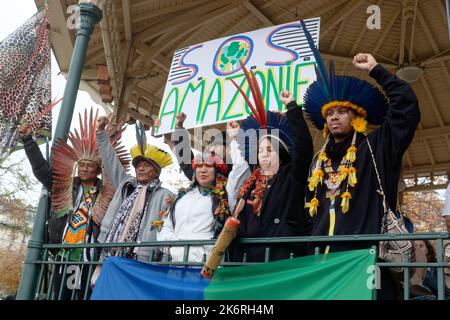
<point>14,179</point>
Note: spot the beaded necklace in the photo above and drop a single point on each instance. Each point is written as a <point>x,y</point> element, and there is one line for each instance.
<point>333,180</point>
<point>260,180</point>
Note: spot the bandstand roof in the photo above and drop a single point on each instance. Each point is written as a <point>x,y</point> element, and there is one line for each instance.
<point>136,40</point>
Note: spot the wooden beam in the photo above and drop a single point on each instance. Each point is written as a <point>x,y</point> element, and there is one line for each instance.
<point>433,103</point>
<point>413,30</point>
<point>427,31</point>
<point>338,57</point>
<point>432,132</point>
<point>127,19</point>
<point>147,94</point>
<point>427,145</point>
<point>169,39</point>
<point>95,56</point>
<point>342,14</point>
<point>438,59</point>
<point>438,167</point>
<point>138,116</point>
<point>429,151</point>
<point>444,69</point>
<point>162,62</point>
<point>149,55</point>
<point>442,10</point>
<point>408,159</point>
<point>60,36</point>
<point>88,74</point>
<point>142,15</point>
<point>426,187</point>
<point>107,31</point>
<point>257,13</point>
<point>191,16</point>
<point>387,30</point>
<point>401,57</point>
<point>336,37</point>
<point>302,14</point>
<point>127,90</point>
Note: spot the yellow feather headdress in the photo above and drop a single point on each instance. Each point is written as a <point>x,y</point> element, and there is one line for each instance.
<point>153,153</point>
<point>143,150</point>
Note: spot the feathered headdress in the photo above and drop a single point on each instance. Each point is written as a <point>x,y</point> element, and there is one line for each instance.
<point>144,151</point>
<point>214,161</point>
<point>263,119</point>
<point>65,158</point>
<point>330,91</point>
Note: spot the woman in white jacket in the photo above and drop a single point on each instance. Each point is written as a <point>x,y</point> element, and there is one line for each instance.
<point>199,212</point>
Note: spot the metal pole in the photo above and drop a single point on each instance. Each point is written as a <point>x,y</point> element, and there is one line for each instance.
<point>88,15</point>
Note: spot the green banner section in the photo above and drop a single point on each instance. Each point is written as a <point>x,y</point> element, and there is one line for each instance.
<point>348,275</point>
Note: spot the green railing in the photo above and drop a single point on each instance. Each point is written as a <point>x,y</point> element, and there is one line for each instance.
<point>51,267</point>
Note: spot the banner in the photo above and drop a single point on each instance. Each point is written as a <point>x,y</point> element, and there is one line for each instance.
<point>198,82</point>
<point>335,276</point>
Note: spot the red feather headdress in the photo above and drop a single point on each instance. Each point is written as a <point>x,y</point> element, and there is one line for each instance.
<point>65,158</point>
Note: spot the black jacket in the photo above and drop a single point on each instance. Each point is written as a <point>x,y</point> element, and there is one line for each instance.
<point>282,213</point>
<point>389,142</point>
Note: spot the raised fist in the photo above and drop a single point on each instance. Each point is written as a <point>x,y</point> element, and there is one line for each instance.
<point>157,123</point>
<point>233,129</point>
<point>24,130</point>
<point>364,61</point>
<point>286,97</point>
<point>102,122</point>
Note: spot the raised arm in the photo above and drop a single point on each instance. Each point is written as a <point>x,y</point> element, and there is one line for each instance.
<point>241,169</point>
<point>41,167</point>
<point>403,115</point>
<point>180,145</point>
<point>114,169</point>
<point>301,160</point>
<point>183,151</point>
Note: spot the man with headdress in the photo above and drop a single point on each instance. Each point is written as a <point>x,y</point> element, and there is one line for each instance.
<point>270,201</point>
<point>344,196</point>
<point>138,200</point>
<point>78,202</point>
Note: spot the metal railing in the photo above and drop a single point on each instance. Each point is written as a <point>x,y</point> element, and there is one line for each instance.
<point>54,268</point>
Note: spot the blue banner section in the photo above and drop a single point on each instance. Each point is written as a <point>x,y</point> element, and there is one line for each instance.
<point>124,279</point>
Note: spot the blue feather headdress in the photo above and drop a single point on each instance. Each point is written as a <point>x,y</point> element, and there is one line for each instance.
<point>330,91</point>
<point>263,121</point>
